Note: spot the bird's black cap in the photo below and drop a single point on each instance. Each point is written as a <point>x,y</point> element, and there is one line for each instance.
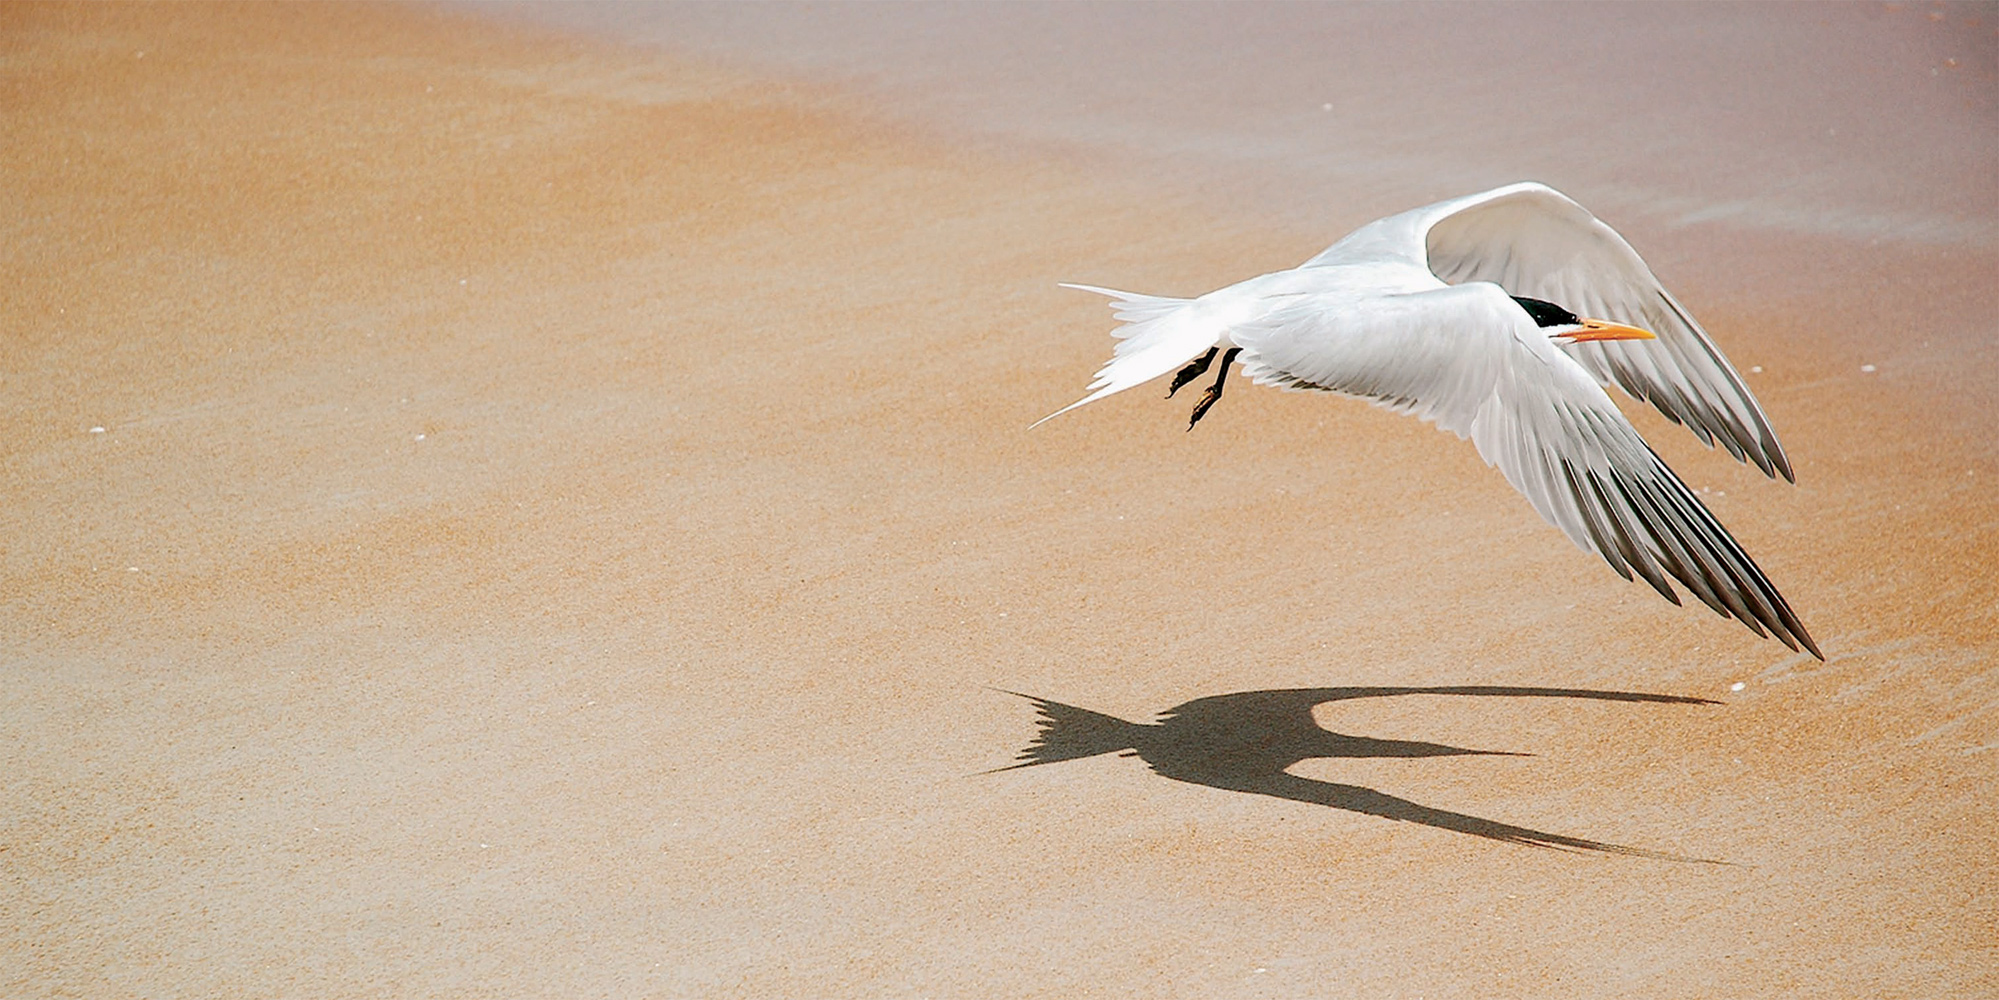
<point>1547,314</point>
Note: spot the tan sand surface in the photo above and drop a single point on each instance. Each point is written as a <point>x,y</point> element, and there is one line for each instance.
<point>497,515</point>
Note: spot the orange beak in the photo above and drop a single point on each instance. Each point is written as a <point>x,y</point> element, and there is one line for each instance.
<point>1596,329</point>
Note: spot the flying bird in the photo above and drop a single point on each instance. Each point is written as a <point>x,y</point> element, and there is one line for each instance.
<point>1501,317</point>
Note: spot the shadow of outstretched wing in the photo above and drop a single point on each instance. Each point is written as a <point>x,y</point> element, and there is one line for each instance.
<point>1354,798</point>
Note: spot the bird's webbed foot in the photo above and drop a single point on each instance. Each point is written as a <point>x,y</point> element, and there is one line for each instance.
<point>1214,391</point>
<point>1192,371</point>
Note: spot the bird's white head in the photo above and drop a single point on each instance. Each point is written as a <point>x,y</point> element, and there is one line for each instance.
<point>1562,324</point>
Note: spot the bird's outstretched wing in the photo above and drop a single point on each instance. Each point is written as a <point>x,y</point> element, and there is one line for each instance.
<point>1534,241</point>
<point>1457,356</point>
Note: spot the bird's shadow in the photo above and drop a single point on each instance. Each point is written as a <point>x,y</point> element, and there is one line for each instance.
<point>1245,741</point>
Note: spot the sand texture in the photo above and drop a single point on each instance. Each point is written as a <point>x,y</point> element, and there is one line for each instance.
<point>493,513</point>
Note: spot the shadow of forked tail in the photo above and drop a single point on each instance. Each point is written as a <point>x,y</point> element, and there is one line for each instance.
<point>1071,733</point>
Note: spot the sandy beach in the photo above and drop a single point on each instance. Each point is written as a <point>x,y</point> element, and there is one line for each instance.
<point>491,511</point>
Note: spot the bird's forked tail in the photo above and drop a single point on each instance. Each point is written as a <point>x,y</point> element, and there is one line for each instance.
<point>1159,334</point>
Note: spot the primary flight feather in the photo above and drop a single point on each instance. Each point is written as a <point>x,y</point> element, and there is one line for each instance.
<point>1470,313</point>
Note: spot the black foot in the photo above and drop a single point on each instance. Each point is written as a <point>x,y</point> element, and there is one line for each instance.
<point>1214,391</point>
<point>1191,372</point>
<point>1201,408</point>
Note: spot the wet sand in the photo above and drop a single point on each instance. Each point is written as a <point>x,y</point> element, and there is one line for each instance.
<point>493,513</point>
